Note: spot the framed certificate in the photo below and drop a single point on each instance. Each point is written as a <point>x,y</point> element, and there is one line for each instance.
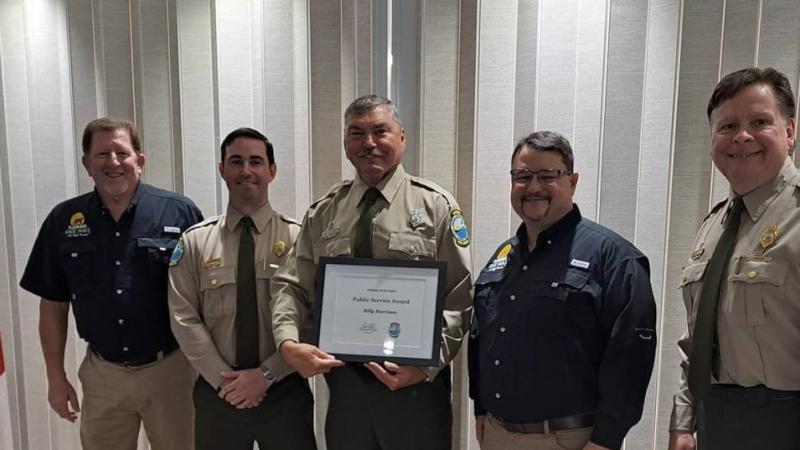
<point>380,310</point>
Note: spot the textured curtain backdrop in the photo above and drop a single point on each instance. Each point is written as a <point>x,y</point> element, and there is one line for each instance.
<point>625,80</point>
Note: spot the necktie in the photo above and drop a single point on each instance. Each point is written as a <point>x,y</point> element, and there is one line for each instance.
<point>246,304</point>
<point>705,324</point>
<point>362,247</point>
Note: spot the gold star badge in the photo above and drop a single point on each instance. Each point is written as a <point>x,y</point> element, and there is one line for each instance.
<point>279,248</point>
<point>769,236</point>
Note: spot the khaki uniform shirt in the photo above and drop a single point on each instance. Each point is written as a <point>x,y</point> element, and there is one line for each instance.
<point>759,307</point>
<point>202,289</point>
<point>330,227</point>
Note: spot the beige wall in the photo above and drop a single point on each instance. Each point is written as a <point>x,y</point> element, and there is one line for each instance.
<point>625,80</point>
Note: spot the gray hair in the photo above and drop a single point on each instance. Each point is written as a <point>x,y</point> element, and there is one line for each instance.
<point>367,103</point>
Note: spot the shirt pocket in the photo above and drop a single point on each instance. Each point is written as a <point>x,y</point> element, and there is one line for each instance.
<point>414,246</point>
<point>78,259</point>
<point>153,255</point>
<point>754,282</point>
<point>218,286</point>
<point>691,275</point>
<point>331,244</point>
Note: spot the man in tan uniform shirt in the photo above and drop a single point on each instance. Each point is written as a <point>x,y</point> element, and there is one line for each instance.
<point>754,400</point>
<point>376,406</point>
<point>270,403</point>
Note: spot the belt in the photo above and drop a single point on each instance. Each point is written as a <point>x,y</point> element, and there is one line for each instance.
<point>755,395</point>
<point>141,361</point>
<point>547,426</point>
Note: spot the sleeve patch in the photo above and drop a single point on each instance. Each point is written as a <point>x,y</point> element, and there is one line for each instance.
<point>459,228</point>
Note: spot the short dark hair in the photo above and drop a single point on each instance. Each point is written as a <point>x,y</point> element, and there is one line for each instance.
<point>367,103</point>
<point>104,124</point>
<point>732,83</point>
<point>247,133</point>
<point>548,141</point>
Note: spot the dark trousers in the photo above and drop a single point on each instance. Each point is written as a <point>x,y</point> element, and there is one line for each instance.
<point>363,414</point>
<point>738,418</point>
<point>283,420</point>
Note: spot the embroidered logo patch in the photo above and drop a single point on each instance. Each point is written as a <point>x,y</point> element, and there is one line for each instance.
<point>501,260</point>
<point>459,228</point>
<point>177,254</point>
<point>77,226</point>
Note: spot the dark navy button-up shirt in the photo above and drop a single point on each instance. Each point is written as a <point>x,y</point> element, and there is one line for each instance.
<point>566,329</point>
<point>113,273</point>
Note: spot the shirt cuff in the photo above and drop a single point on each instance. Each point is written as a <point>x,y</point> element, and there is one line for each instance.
<point>682,418</point>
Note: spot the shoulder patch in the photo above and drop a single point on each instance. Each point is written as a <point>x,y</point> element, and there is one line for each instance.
<point>459,228</point>
<point>177,254</point>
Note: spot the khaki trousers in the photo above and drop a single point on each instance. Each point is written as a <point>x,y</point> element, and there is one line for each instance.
<point>495,437</point>
<point>117,399</point>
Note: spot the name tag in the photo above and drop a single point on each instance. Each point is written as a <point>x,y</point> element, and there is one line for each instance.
<point>579,263</point>
<point>175,230</point>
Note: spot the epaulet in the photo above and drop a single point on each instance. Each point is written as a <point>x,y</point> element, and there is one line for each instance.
<point>333,191</point>
<point>289,220</point>
<point>431,186</point>
<point>715,208</point>
<point>209,221</point>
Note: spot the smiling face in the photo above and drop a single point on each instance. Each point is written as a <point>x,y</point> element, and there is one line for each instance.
<point>247,173</point>
<point>750,138</point>
<point>541,204</point>
<point>113,165</point>
<point>374,143</point>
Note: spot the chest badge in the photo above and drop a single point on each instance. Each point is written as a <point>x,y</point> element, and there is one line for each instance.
<point>416,217</point>
<point>769,236</point>
<point>459,228</point>
<point>279,247</point>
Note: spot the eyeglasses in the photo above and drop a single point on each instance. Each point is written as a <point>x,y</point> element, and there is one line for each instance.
<point>523,177</point>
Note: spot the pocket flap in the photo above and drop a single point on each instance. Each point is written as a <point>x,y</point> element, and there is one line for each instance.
<point>412,244</point>
<point>338,247</point>
<point>214,277</point>
<point>265,270</point>
<point>693,272</point>
<point>162,244</point>
<point>755,271</point>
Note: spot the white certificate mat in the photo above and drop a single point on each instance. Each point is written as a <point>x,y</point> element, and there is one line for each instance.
<point>380,310</point>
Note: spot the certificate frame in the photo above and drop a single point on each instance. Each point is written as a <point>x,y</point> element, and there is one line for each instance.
<point>363,306</point>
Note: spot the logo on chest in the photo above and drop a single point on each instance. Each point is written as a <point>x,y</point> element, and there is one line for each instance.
<point>77,226</point>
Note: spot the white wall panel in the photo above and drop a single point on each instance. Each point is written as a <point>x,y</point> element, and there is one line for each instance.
<point>655,152</point>
<point>588,99</point>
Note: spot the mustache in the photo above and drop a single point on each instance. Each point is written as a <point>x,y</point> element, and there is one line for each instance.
<point>370,152</point>
<point>532,197</point>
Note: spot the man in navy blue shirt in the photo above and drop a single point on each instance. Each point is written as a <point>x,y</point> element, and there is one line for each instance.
<point>106,254</point>
<point>562,344</point>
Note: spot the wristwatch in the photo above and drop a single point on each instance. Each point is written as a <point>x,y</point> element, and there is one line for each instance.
<point>269,377</point>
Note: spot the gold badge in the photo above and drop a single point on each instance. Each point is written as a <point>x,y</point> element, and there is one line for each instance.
<point>279,248</point>
<point>769,236</point>
<point>698,253</point>
<point>212,263</point>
